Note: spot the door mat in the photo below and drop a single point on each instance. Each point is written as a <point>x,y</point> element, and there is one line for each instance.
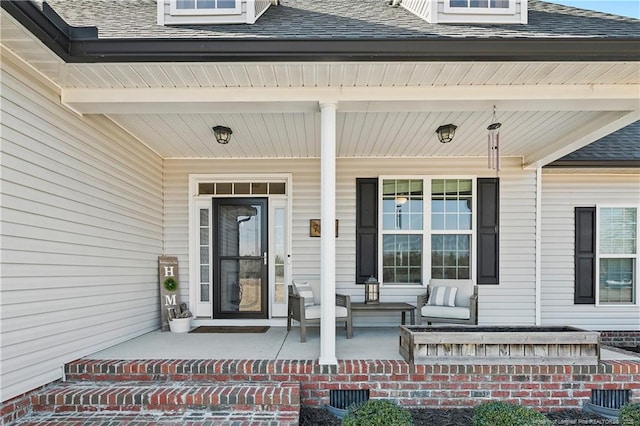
<point>230,329</point>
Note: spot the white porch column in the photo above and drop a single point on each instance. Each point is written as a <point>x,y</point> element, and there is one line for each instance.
<point>328,238</point>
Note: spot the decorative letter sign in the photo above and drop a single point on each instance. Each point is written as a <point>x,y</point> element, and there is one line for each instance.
<point>168,278</point>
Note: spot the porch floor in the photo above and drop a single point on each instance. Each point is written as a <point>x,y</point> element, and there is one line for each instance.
<point>276,343</point>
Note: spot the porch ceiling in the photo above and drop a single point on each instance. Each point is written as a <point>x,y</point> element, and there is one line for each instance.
<point>548,109</point>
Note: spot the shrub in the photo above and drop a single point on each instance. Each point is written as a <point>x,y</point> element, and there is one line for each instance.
<point>629,415</point>
<point>505,414</point>
<point>377,412</point>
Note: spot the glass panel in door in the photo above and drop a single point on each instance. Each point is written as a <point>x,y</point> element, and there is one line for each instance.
<point>240,258</point>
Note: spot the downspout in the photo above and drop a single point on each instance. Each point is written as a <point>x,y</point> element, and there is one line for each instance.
<point>538,272</point>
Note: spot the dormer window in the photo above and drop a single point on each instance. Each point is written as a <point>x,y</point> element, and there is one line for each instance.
<point>499,7</point>
<point>205,7</point>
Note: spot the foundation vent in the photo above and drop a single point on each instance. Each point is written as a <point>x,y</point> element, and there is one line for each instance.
<point>342,399</point>
<point>609,398</point>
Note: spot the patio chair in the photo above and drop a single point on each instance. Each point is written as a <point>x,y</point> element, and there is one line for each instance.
<point>449,301</point>
<point>303,309</point>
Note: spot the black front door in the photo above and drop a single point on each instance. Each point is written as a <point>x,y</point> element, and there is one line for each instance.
<point>240,287</point>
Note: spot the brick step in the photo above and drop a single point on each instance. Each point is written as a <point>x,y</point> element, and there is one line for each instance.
<point>184,419</point>
<point>187,370</point>
<point>180,397</point>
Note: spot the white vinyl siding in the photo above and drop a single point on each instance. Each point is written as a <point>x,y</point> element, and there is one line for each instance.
<point>511,302</point>
<point>560,195</point>
<point>81,210</point>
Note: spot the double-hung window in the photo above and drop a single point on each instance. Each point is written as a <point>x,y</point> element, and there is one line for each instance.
<point>451,228</point>
<point>204,7</point>
<point>424,215</point>
<point>617,255</point>
<point>402,230</point>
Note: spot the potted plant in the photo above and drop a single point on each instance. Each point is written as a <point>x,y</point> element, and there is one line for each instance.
<point>180,322</point>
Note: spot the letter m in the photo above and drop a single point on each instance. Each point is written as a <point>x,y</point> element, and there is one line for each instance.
<point>170,300</point>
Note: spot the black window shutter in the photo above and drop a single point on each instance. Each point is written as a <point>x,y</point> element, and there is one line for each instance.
<point>366,228</point>
<point>585,255</point>
<point>488,231</point>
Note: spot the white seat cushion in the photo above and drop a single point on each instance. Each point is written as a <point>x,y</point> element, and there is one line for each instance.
<point>456,312</point>
<point>313,312</point>
<point>442,296</point>
<point>303,289</point>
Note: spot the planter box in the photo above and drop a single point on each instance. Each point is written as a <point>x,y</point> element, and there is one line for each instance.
<point>499,345</point>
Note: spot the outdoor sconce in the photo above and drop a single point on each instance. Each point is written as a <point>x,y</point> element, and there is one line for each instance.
<point>371,290</point>
<point>446,132</point>
<point>222,134</point>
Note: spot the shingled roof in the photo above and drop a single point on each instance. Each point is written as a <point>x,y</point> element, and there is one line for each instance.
<point>340,19</point>
<point>328,30</point>
<point>621,148</point>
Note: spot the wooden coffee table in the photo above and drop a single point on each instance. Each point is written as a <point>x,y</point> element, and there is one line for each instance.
<point>388,306</point>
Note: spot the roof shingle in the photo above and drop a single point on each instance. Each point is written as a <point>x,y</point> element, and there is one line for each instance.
<point>340,19</point>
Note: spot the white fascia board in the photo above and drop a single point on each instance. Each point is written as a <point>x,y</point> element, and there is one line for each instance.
<point>224,99</point>
<point>597,129</point>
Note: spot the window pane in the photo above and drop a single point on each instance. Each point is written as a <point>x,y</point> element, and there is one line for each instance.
<point>205,188</point>
<point>204,273</point>
<point>204,236</point>
<point>259,188</point>
<point>224,188</point>
<point>617,281</point>
<point>226,4</point>
<point>458,3</point>
<point>204,217</point>
<point>450,256</point>
<point>402,204</point>
<point>277,188</point>
<point>206,4</point>
<point>204,292</point>
<point>186,4</point>
<point>479,3</point>
<point>453,198</point>
<point>204,255</point>
<point>241,188</point>
<point>618,230</point>
<point>402,259</point>
<point>502,4</point>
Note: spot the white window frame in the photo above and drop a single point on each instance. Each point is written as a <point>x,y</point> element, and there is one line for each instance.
<point>636,284</point>
<point>174,10</point>
<point>511,10</point>
<point>426,231</point>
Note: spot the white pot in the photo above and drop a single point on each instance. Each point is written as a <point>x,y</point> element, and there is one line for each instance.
<point>180,325</point>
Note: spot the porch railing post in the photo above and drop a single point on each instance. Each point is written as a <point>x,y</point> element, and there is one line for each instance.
<point>328,239</point>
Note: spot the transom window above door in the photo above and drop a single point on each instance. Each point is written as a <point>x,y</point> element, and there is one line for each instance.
<point>242,188</point>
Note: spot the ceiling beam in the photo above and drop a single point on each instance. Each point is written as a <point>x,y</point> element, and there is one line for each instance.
<point>583,136</point>
<point>353,99</point>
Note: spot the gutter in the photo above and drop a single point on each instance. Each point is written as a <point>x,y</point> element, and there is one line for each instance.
<point>594,164</point>
<point>82,45</point>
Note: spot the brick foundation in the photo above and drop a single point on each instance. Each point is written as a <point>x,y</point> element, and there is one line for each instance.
<point>623,339</point>
<point>17,407</point>
<point>545,387</point>
<point>455,386</point>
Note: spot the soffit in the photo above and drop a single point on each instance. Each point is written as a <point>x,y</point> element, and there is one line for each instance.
<point>542,132</point>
